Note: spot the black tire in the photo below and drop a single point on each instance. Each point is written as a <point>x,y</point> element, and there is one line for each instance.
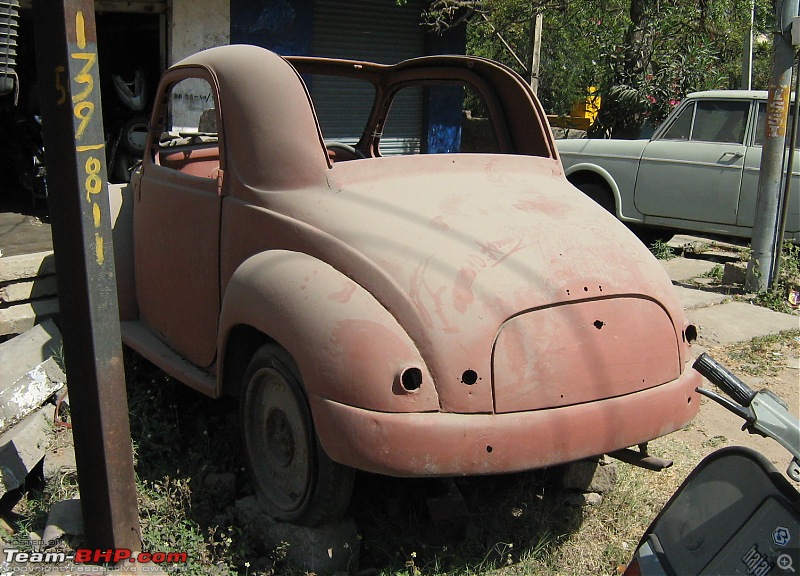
<point>134,135</point>
<point>650,236</point>
<point>295,480</point>
<point>599,194</point>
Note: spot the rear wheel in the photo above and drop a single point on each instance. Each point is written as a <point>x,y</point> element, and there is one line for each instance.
<point>295,480</point>
<point>599,194</point>
<point>603,196</point>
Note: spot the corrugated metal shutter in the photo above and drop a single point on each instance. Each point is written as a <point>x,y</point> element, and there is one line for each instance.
<point>377,31</point>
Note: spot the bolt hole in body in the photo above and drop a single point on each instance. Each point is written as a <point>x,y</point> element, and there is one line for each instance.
<point>599,324</point>
<point>469,377</point>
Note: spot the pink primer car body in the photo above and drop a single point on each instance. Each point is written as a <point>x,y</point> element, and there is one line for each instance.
<point>418,315</point>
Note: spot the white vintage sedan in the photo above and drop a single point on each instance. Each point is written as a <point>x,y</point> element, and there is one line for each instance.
<point>698,173</point>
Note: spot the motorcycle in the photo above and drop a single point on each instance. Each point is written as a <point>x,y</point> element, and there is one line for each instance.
<point>735,513</point>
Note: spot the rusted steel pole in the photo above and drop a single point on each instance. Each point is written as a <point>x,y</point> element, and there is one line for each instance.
<point>765,228</point>
<point>69,92</point>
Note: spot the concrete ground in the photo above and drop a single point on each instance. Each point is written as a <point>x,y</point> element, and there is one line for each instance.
<point>719,318</point>
<point>24,233</point>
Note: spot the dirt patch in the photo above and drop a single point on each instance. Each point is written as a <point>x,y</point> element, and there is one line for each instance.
<point>715,427</point>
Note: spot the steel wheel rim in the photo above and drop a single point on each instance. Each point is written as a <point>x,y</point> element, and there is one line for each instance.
<point>280,449</point>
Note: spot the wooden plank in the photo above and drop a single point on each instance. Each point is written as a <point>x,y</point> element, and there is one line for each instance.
<point>29,289</point>
<point>23,353</point>
<point>21,317</point>
<point>27,266</point>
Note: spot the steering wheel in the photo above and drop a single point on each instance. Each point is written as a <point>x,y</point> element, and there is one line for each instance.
<point>347,151</point>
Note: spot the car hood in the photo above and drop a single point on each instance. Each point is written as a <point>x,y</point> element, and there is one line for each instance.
<point>454,247</point>
<point>595,147</point>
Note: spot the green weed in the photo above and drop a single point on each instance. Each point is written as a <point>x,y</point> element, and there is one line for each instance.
<point>662,250</point>
<point>777,297</point>
<point>763,356</point>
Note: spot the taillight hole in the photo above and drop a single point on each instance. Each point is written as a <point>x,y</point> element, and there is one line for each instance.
<point>691,333</point>
<point>469,377</point>
<point>411,379</point>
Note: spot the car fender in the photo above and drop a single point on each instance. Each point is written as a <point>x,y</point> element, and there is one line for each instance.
<point>622,208</point>
<point>347,346</point>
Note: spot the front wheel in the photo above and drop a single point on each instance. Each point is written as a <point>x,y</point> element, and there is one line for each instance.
<point>295,480</point>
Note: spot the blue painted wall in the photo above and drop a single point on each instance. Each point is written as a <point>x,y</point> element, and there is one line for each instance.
<point>444,104</point>
<point>283,26</point>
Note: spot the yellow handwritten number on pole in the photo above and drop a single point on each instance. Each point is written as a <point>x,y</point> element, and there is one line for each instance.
<point>83,111</point>
<point>85,75</point>
<point>93,182</point>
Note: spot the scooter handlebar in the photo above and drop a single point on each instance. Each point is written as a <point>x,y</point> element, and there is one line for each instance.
<point>719,375</point>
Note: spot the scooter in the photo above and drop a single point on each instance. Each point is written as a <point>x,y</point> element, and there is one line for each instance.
<point>735,513</point>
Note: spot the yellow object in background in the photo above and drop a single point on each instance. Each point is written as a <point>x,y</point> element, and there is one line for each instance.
<point>589,107</point>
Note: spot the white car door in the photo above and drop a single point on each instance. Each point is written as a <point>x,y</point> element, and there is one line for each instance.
<point>747,203</point>
<point>693,170</point>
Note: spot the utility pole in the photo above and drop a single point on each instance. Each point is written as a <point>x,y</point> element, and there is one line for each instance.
<point>765,229</point>
<point>69,92</point>
<point>747,55</point>
<point>536,50</point>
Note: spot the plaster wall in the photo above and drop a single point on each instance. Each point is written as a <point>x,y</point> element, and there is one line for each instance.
<point>196,25</point>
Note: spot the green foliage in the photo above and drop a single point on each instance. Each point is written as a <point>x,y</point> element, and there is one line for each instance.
<point>662,250</point>
<point>715,273</point>
<point>764,355</point>
<point>777,297</point>
<point>643,55</point>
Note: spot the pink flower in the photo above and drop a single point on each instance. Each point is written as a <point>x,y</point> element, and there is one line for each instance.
<point>674,102</point>
<point>651,99</point>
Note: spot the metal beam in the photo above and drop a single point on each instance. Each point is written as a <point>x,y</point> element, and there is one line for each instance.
<point>69,92</point>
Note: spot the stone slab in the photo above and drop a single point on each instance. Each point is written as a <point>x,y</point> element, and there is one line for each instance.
<point>65,518</point>
<point>22,448</point>
<point>21,317</point>
<point>681,269</point>
<point>738,322</point>
<point>23,290</point>
<point>691,298</point>
<point>26,266</point>
<point>30,392</point>
<point>23,353</point>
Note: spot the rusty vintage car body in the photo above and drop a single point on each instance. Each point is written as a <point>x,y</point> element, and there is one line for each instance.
<point>423,315</point>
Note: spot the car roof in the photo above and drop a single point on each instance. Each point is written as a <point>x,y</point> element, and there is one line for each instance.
<point>730,94</point>
<point>270,126</point>
<point>519,108</point>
